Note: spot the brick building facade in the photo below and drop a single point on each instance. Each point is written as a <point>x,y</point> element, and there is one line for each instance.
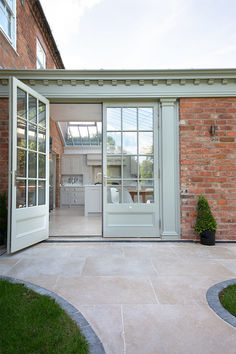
<point>31,27</point>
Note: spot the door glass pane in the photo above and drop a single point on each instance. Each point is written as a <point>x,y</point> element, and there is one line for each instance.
<point>32,185</point>
<point>42,140</point>
<point>42,166</point>
<point>146,143</point>
<point>130,166</point>
<point>113,118</point>
<point>21,133</point>
<point>42,114</point>
<point>129,116</point>
<point>145,118</point>
<point>146,192</point>
<point>20,193</point>
<point>32,110</point>
<point>130,191</point>
<point>113,143</point>
<point>21,163</point>
<point>130,143</point>
<point>41,193</point>
<point>114,192</point>
<point>21,104</point>
<point>32,164</point>
<point>114,166</point>
<point>146,166</point>
<point>32,137</point>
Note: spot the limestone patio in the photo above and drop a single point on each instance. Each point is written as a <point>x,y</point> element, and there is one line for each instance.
<point>140,298</point>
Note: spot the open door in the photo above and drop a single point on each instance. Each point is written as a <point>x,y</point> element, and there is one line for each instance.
<point>130,170</point>
<point>28,167</point>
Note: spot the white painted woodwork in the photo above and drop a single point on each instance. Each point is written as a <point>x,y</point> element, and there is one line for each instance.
<point>92,199</point>
<point>27,225</point>
<point>169,169</point>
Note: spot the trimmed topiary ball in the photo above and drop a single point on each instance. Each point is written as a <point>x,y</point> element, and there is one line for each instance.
<point>205,219</point>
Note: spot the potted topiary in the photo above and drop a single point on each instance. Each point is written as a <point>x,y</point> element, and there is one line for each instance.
<point>205,224</point>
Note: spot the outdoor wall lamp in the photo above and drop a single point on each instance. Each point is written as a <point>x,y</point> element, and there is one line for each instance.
<point>213,130</point>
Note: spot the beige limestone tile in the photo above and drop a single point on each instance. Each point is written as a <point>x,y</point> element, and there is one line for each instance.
<point>118,266</point>
<point>181,289</point>
<point>147,252</point>
<point>96,250</point>
<point>106,320</point>
<point>230,264</point>
<point>191,266</point>
<point>175,329</point>
<point>106,290</point>
<point>36,267</point>
<point>7,263</point>
<point>207,252</point>
<point>45,281</point>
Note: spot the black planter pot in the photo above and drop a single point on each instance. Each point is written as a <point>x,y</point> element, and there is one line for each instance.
<point>208,238</point>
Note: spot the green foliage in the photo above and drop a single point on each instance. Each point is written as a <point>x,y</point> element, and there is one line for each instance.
<point>32,323</point>
<point>228,298</point>
<point>3,217</point>
<point>205,219</point>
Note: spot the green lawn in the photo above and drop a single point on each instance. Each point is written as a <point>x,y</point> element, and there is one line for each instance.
<point>32,323</point>
<point>228,298</point>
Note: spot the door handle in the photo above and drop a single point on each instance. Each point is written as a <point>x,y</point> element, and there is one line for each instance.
<point>104,180</point>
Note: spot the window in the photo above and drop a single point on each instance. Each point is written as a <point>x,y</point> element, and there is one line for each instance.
<point>8,20</point>
<point>82,133</point>
<point>41,56</point>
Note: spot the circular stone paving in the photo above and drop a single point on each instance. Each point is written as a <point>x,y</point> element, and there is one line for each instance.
<point>214,301</point>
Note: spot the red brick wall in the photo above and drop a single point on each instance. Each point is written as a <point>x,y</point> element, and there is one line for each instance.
<point>58,148</point>
<point>27,31</point>
<point>4,144</point>
<point>208,163</point>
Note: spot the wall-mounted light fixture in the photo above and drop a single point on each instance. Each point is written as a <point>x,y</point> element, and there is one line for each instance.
<point>213,130</point>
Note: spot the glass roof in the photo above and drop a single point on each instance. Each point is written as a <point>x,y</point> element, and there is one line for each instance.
<point>82,133</point>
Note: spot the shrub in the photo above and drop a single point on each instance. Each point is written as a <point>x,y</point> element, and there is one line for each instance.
<point>205,220</point>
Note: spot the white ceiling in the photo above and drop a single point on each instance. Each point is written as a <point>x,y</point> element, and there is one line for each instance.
<point>69,112</point>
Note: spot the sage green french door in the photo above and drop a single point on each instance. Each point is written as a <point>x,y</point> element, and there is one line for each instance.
<point>130,170</point>
<point>29,167</point>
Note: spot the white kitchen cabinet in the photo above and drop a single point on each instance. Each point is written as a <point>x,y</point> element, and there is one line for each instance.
<point>92,199</point>
<point>72,196</point>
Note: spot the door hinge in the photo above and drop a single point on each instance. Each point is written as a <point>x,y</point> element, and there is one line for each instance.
<point>159,174</point>
<point>159,224</point>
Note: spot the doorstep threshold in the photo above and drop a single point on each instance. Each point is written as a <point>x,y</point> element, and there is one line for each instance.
<point>96,238</point>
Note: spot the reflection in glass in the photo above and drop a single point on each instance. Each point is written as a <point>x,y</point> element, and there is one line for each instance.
<point>21,104</point>
<point>145,118</point>
<point>32,193</point>
<point>130,166</point>
<point>130,191</point>
<point>113,143</point>
<point>41,193</point>
<point>114,166</point>
<point>113,118</point>
<point>146,143</point>
<point>146,166</point>
<point>42,114</point>
<point>129,116</point>
<point>93,135</point>
<point>21,133</point>
<point>32,110</point>
<point>42,166</point>
<point>21,163</point>
<point>20,193</point>
<point>84,135</point>
<point>146,192</point>
<point>114,192</point>
<point>32,137</point>
<point>130,143</point>
<point>42,139</point>
<point>32,164</point>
